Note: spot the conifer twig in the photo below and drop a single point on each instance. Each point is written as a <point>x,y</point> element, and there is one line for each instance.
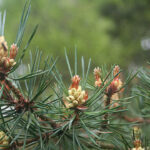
<point>16,91</point>
<point>46,135</point>
<point>21,98</point>
<point>107,103</point>
<point>53,123</point>
<point>139,120</point>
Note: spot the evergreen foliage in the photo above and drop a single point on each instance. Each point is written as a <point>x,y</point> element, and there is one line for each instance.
<point>39,110</point>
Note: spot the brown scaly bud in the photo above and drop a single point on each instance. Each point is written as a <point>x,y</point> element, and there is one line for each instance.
<point>1,53</point>
<point>13,51</point>
<point>137,142</point>
<point>4,141</point>
<point>97,74</point>
<point>3,47</point>
<point>116,84</point>
<point>8,63</point>
<point>115,100</point>
<point>76,96</point>
<point>137,132</point>
<point>116,71</point>
<point>2,60</point>
<point>12,62</point>
<point>75,81</point>
<point>137,145</point>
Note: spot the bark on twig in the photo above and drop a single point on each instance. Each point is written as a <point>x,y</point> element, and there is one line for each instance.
<point>139,120</point>
<point>16,91</point>
<point>107,103</point>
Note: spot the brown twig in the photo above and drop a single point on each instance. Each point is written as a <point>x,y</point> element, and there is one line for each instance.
<point>139,120</point>
<point>22,100</point>
<point>46,135</point>
<point>106,145</point>
<point>103,145</point>
<point>17,93</point>
<point>107,103</point>
<point>52,122</point>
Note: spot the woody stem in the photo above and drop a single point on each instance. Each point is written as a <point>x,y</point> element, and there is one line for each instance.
<point>17,93</point>
<point>21,98</point>
<point>52,123</point>
<point>107,103</point>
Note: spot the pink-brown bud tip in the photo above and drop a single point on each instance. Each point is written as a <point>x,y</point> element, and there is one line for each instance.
<point>116,70</point>
<point>13,51</point>
<point>75,81</point>
<point>97,72</point>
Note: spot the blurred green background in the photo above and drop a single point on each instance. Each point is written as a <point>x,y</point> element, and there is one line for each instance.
<point>108,31</point>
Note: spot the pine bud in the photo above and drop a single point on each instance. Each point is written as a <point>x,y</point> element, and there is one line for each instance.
<point>116,70</point>
<point>3,43</point>
<point>75,102</point>
<point>70,92</point>
<point>4,140</point>
<point>12,62</point>
<point>98,83</point>
<point>71,97</point>
<point>75,82</point>
<point>1,53</point>
<point>79,89</point>
<point>83,101</point>
<point>77,96</point>
<point>68,99</point>
<point>70,105</point>
<point>3,59</point>
<point>97,74</point>
<point>83,93</point>
<point>13,51</point>
<point>80,97</point>
<point>6,63</point>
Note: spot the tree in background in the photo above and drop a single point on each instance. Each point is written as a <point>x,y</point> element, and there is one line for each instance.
<point>108,31</point>
<point>131,24</point>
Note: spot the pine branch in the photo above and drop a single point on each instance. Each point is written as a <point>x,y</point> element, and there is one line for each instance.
<point>16,91</point>
<point>21,99</point>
